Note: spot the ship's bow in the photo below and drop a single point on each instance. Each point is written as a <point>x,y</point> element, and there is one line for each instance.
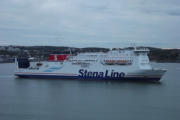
<point>147,75</point>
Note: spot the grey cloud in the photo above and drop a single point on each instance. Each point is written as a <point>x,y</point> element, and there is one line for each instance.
<point>174,13</point>
<point>83,23</point>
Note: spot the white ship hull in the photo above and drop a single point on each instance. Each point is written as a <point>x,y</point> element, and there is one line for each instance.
<point>135,67</point>
<point>66,71</point>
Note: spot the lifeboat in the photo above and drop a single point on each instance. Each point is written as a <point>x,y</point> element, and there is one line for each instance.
<point>119,62</point>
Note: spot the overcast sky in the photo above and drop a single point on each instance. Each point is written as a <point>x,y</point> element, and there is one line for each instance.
<point>83,23</point>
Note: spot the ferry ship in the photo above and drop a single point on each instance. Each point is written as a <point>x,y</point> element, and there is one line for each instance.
<point>112,65</point>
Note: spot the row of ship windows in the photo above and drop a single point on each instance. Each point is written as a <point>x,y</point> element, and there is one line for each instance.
<point>106,60</point>
<point>144,63</point>
<point>105,55</point>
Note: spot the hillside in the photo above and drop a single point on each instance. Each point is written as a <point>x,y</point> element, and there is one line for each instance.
<point>7,53</point>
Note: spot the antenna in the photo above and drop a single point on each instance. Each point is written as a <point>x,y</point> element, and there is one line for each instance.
<point>70,51</point>
<point>133,45</point>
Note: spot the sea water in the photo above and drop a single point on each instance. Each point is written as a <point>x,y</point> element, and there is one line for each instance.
<point>47,99</point>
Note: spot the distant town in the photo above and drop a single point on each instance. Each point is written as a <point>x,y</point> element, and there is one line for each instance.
<point>8,53</point>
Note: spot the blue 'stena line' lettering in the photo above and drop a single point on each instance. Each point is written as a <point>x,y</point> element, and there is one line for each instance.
<point>96,74</point>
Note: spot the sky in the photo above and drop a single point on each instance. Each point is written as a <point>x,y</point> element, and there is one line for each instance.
<point>90,23</point>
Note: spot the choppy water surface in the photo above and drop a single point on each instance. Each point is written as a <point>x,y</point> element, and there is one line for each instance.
<point>34,99</point>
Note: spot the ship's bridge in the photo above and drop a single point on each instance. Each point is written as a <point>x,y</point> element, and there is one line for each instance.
<point>141,51</point>
<point>143,60</point>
